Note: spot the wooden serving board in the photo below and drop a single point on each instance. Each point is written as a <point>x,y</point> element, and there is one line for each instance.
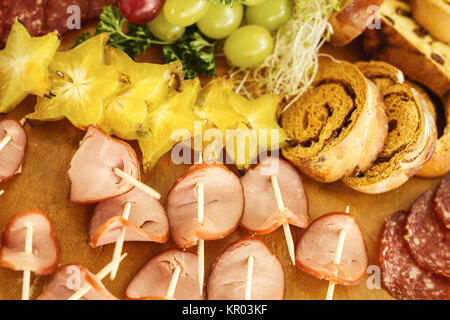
<point>45,185</point>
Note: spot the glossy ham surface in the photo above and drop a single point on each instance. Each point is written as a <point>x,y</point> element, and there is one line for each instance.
<point>316,250</point>
<point>223,208</point>
<point>152,281</point>
<point>91,170</point>
<point>46,251</point>
<point>228,277</point>
<point>13,153</point>
<point>69,279</point>
<point>147,220</point>
<point>261,214</point>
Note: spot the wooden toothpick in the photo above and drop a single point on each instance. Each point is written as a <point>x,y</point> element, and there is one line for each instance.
<point>100,276</point>
<point>281,208</point>
<point>248,283</point>
<point>7,138</point>
<point>119,242</point>
<point>137,184</point>
<point>173,283</point>
<point>337,258</point>
<point>27,273</point>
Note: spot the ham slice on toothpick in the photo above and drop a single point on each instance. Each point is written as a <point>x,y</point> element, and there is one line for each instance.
<point>147,221</point>
<point>13,152</point>
<point>69,279</point>
<point>223,204</point>
<point>91,171</point>
<point>316,250</point>
<point>261,213</point>
<point>152,281</point>
<point>46,252</point>
<point>227,280</point>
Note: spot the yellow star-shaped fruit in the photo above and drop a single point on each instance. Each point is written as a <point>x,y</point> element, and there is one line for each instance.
<point>23,65</point>
<point>124,113</point>
<point>80,81</point>
<point>175,113</point>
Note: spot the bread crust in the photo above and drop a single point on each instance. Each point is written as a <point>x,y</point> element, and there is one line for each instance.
<point>388,44</point>
<point>351,21</point>
<point>433,15</point>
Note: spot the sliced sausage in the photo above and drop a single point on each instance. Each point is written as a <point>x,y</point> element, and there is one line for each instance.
<point>316,250</point>
<point>153,280</point>
<point>96,8</point>
<point>261,214</point>
<point>228,277</point>
<point>91,171</point>
<point>69,279</point>
<point>13,153</point>
<point>147,220</point>
<point>427,237</point>
<point>46,252</point>
<point>223,209</point>
<point>442,201</point>
<point>402,276</point>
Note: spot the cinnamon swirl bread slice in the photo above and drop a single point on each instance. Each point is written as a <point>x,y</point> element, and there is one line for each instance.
<point>338,127</point>
<point>411,138</point>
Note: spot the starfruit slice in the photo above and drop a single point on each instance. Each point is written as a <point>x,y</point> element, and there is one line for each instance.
<point>23,65</point>
<point>125,112</point>
<point>79,82</point>
<point>175,113</point>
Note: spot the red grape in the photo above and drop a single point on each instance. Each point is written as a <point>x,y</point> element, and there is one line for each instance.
<point>140,11</point>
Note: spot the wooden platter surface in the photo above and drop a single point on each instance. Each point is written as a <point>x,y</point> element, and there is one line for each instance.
<point>44,185</point>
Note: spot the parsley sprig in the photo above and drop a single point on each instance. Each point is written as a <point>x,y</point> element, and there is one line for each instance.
<point>194,51</point>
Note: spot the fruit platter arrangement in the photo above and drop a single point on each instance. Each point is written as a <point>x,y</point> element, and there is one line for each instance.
<point>225,149</point>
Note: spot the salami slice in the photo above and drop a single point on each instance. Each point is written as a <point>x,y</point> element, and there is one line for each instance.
<point>401,275</point>
<point>442,199</point>
<point>56,14</point>
<point>427,237</point>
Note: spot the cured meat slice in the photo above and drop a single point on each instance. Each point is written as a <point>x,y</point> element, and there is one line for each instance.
<point>29,12</point>
<point>56,14</point>
<point>316,250</point>
<point>69,279</point>
<point>443,202</point>
<point>153,280</point>
<point>261,214</point>
<point>91,171</point>
<point>13,153</point>
<point>427,237</point>
<point>228,277</point>
<point>402,276</point>
<point>224,204</point>
<point>96,7</point>
<point>46,251</point>
<point>147,221</point>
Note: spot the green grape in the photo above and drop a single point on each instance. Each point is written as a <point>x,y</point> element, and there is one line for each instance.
<point>271,14</point>
<point>163,30</point>
<point>253,2</point>
<point>221,20</point>
<point>248,46</point>
<point>185,12</point>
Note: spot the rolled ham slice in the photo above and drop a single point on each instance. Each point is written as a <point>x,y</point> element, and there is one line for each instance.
<point>261,214</point>
<point>228,277</point>
<point>152,281</point>
<point>224,204</point>
<point>147,220</point>
<point>316,250</point>
<point>69,279</point>
<point>13,153</point>
<point>46,250</point>
<point>91,171</point>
